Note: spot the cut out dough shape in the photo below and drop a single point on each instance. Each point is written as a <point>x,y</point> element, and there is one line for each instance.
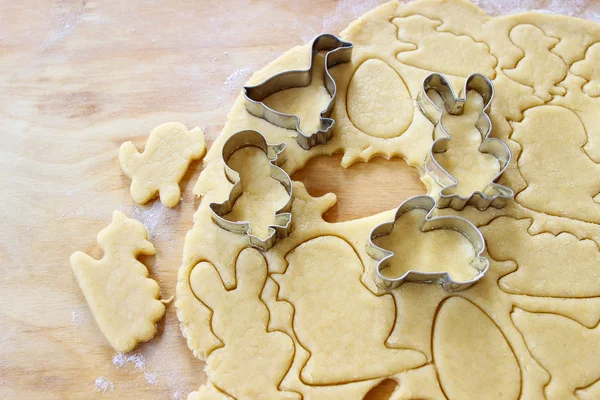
<point>589,69</point>
<point>312,282</point>
<point>458,39</point>
<point>123,300</point>
<point>464,341</point>
<point>539,68</point>
<point>561,178</point>
<point>379,103</point>
<point>543,268</point>
<point>240,320</point>
<point>587,109</point>
<point>442,51</point>
<point>281,313</point>
<point>159,168</point>
<point>553,340</point>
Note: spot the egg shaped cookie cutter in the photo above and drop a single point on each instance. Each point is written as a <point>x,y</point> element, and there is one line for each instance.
<point>337,52</point>
<point>430,223</point>
<point>495,194</point>
<point>283,218</point>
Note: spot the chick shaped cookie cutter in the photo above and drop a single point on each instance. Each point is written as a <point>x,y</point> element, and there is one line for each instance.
<point>283,218</point>
<point>495,194</point>
<point>337,52</point>
<point>459,224</point>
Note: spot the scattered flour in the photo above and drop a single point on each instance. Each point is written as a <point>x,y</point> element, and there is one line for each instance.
<point>237,79</point>
<point>121,360</point>
<point>104,385</point>
<point>138,362</point>
<point>63,18</point>
<point>177,395</point>
<point>151,377</point>
<point>152,217</point>
<point>76,318</point>
<point>156,219</point>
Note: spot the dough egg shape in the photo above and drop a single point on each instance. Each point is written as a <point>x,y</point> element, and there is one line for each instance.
<point>378,101</point>
<point>464,341</point>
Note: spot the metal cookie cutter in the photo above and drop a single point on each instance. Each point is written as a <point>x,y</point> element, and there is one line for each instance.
<point>338,52</point>
<point>494,194</point>
<point>276,154</point>
<point>430,223</point>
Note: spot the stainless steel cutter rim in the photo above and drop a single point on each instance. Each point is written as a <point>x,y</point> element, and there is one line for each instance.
<point>496,147</point>
<point>276,155</point>
<point>337,52</point>
<point>459,224</point>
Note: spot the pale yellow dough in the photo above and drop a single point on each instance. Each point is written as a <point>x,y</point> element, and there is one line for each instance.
<point>123,300</point>
<point>305,319</point>
<point>159,168</point>
<point>420,251</point>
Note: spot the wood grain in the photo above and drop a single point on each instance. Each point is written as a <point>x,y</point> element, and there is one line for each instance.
<point>363,189</point>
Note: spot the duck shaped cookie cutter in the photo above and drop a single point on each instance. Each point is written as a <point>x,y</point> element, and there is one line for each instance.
<point>283,218</point>
<point>459,224</point>
<point>495,194</point>
<point>337,52</point>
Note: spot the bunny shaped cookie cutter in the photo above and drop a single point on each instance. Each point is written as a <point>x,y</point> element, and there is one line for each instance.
<point>283,218</point>
<point>337,52</point>
<point>430,223</point>
<point>495,194</point>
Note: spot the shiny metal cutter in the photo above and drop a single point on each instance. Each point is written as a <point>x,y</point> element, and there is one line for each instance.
<point>494,194</point>
<point>276,155</point>
<point>430,223</point>
<point>337,52</point>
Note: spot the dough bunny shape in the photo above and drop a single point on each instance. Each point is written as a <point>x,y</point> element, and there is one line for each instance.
<point>240,320</point>
<point>123,300</point>
<point>464,152</point>
<point>159,168</point>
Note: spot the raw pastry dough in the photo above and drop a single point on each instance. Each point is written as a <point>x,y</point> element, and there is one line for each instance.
<point>162,164</point>
<point>259,191</point>
<point>422,251</point>
<point>122,298</point>
<point>314,315</point>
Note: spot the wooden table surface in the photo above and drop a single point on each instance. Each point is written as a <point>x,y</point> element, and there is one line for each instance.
<point>78,78</point>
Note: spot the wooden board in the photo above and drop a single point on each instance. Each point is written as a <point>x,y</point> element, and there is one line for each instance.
<point>78,78</point>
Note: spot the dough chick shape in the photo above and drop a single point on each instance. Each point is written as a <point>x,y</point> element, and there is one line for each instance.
<point>458,225</point>
<point>123,300</point>
<point>494,194</point>
<point>283,218</point>
<point>158,169</point>
<point>336,52</point>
